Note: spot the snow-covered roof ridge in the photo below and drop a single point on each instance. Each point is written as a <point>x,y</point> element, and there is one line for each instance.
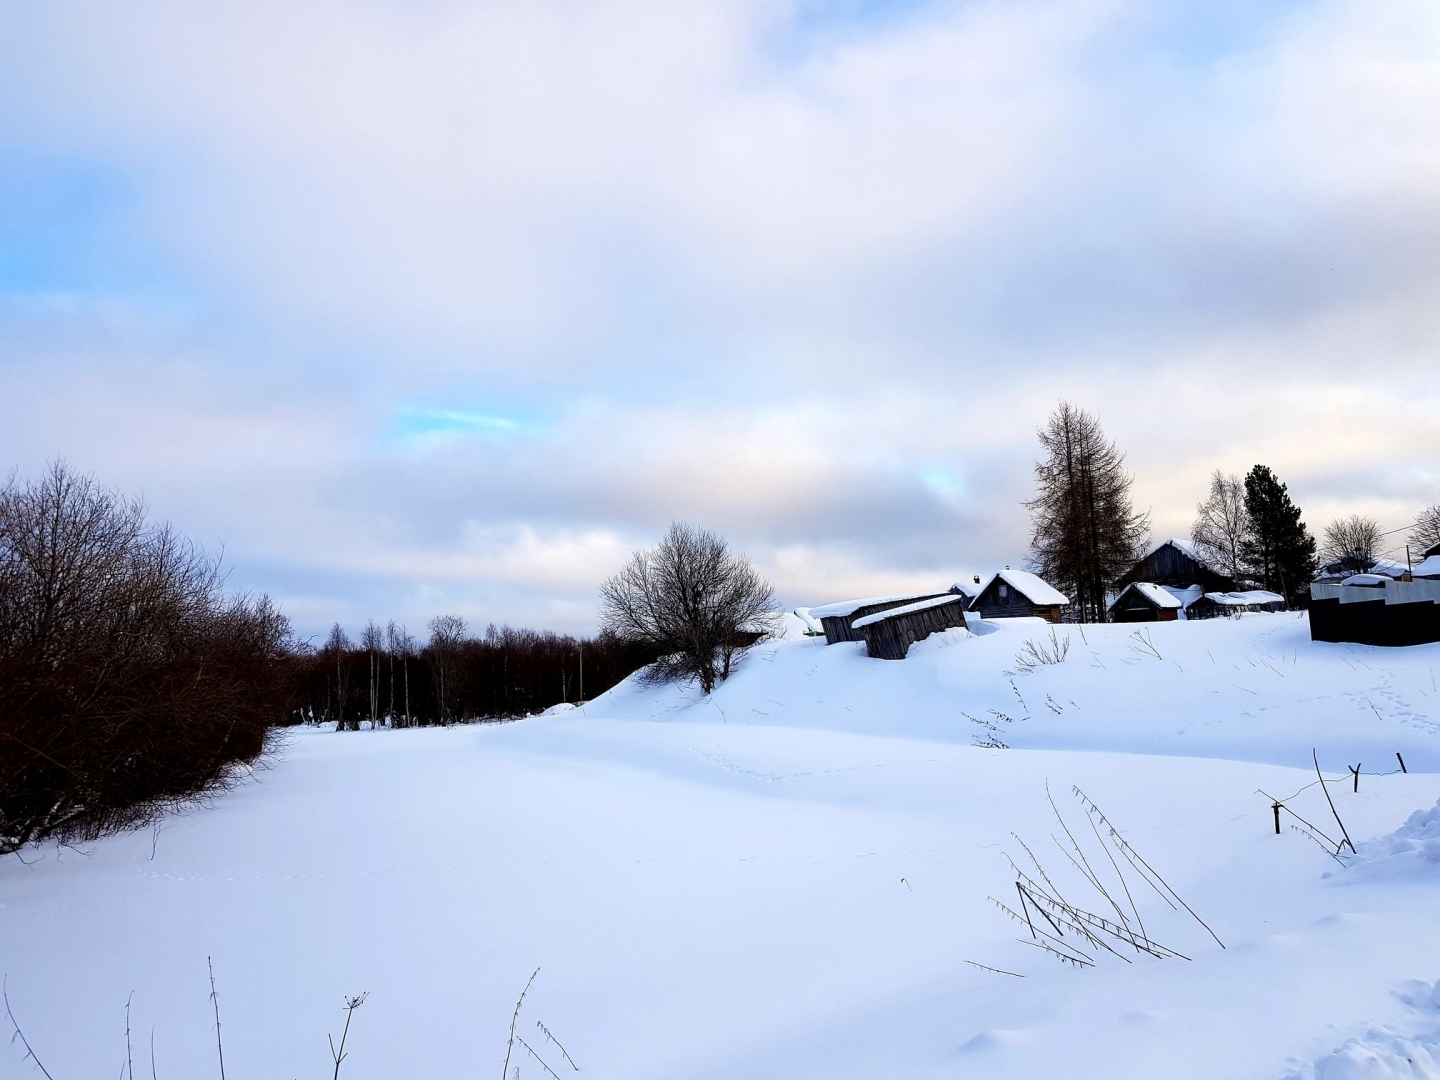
<point>891,613</point>
<point>849,607</point>
<point>1031,586</point>
<point>1245,597</point>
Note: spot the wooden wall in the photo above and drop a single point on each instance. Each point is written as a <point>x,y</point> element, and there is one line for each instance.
<point>890,639</point>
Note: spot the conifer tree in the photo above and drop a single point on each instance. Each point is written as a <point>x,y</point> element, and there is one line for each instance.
<point>1280,550</point>
<point>1086,531</point>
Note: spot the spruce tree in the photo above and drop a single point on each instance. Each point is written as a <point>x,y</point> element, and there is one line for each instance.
<point>1280,551</point>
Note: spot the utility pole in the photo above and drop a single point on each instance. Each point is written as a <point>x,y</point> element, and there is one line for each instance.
<point>581,649</point>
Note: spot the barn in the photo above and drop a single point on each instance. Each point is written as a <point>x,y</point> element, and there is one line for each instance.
<point>889,634</point>
<point>1012,594</point>
<point>1175,562</point>
<point>1142,601</point>
<point>836,619</point>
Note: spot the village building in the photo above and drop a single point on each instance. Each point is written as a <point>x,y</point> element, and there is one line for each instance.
<point>1176,563</point>
<point>836,619</point>
<point>889,634</point>
<point>1142,601</point>
<point>1012,594</point>
<point>1216,604</point>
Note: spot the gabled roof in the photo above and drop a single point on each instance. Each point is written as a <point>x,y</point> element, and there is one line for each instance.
<point>908,609</point>
<point>1030,586</point>
<point>1158,595</point>
<point>849,607</point>
<point>1183,546</point>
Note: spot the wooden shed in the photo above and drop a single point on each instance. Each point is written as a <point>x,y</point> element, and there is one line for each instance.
<point>836,619</point>
<point>889,634</point>
<point>1213,605</point>
<point>1012,594</point>
<point>1175,562</point>
<point>1143,601</point>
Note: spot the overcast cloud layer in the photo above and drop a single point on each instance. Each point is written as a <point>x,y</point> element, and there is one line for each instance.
<point>418,306</point>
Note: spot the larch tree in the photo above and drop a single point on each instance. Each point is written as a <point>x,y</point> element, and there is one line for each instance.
<point>1087,532</point>
<point>1280,553</point>
<point>1222,526</point>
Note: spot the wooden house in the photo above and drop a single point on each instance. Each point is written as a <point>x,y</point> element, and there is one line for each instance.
<point>1142,601</point>
<point>836,619</point>
<point>889,634</point>
<point>1177,563</point>
<point>1012,594</point>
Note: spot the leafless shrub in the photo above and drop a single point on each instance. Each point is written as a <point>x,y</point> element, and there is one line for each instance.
<point>129,681</point>
<point>1042,653</point>
<point>1143,646</point>
<point>691,601</point>
<point>1072,933</point>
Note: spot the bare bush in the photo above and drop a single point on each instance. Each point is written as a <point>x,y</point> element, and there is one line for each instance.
<point>128,680</point>
<point>693,603</point>
<point>1042,653</point>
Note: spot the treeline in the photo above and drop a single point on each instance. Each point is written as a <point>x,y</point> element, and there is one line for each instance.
<point>385,678</point>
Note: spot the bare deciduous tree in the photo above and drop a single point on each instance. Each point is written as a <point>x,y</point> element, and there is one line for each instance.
<point>372,640</point>
<point>1351,544</point>
<point>337,652</point>
<point>692,602</point>
<point>1222,526</point>
<point>447,634</point>
<point>1086,532</point>
<point>1427,528</point>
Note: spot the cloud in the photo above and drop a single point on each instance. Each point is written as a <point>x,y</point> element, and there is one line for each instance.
<point>417,306</point>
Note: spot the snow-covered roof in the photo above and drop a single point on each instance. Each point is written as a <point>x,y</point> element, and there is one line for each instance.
<point>1156,594</point>
<point>1367,579</point>
<point>967,588</point>
<point>1429,568</point>
<point>1028,585</point>
<point>1386,567</point>
<point>1186,596</point>
<point>891,613</point>
<point>1183,546</point>
<point>849,607</point>
<point>1244,599</point>
<point>803,614</point>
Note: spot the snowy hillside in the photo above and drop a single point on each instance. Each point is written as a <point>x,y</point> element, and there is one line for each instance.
<point>793,878</point>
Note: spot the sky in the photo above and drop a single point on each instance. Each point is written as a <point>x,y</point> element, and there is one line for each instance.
<point>420,307</point>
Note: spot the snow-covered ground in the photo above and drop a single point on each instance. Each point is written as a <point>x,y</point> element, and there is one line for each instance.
<point>787,879</point>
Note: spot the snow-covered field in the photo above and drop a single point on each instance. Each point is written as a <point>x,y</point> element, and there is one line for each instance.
<point>788,879</point>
